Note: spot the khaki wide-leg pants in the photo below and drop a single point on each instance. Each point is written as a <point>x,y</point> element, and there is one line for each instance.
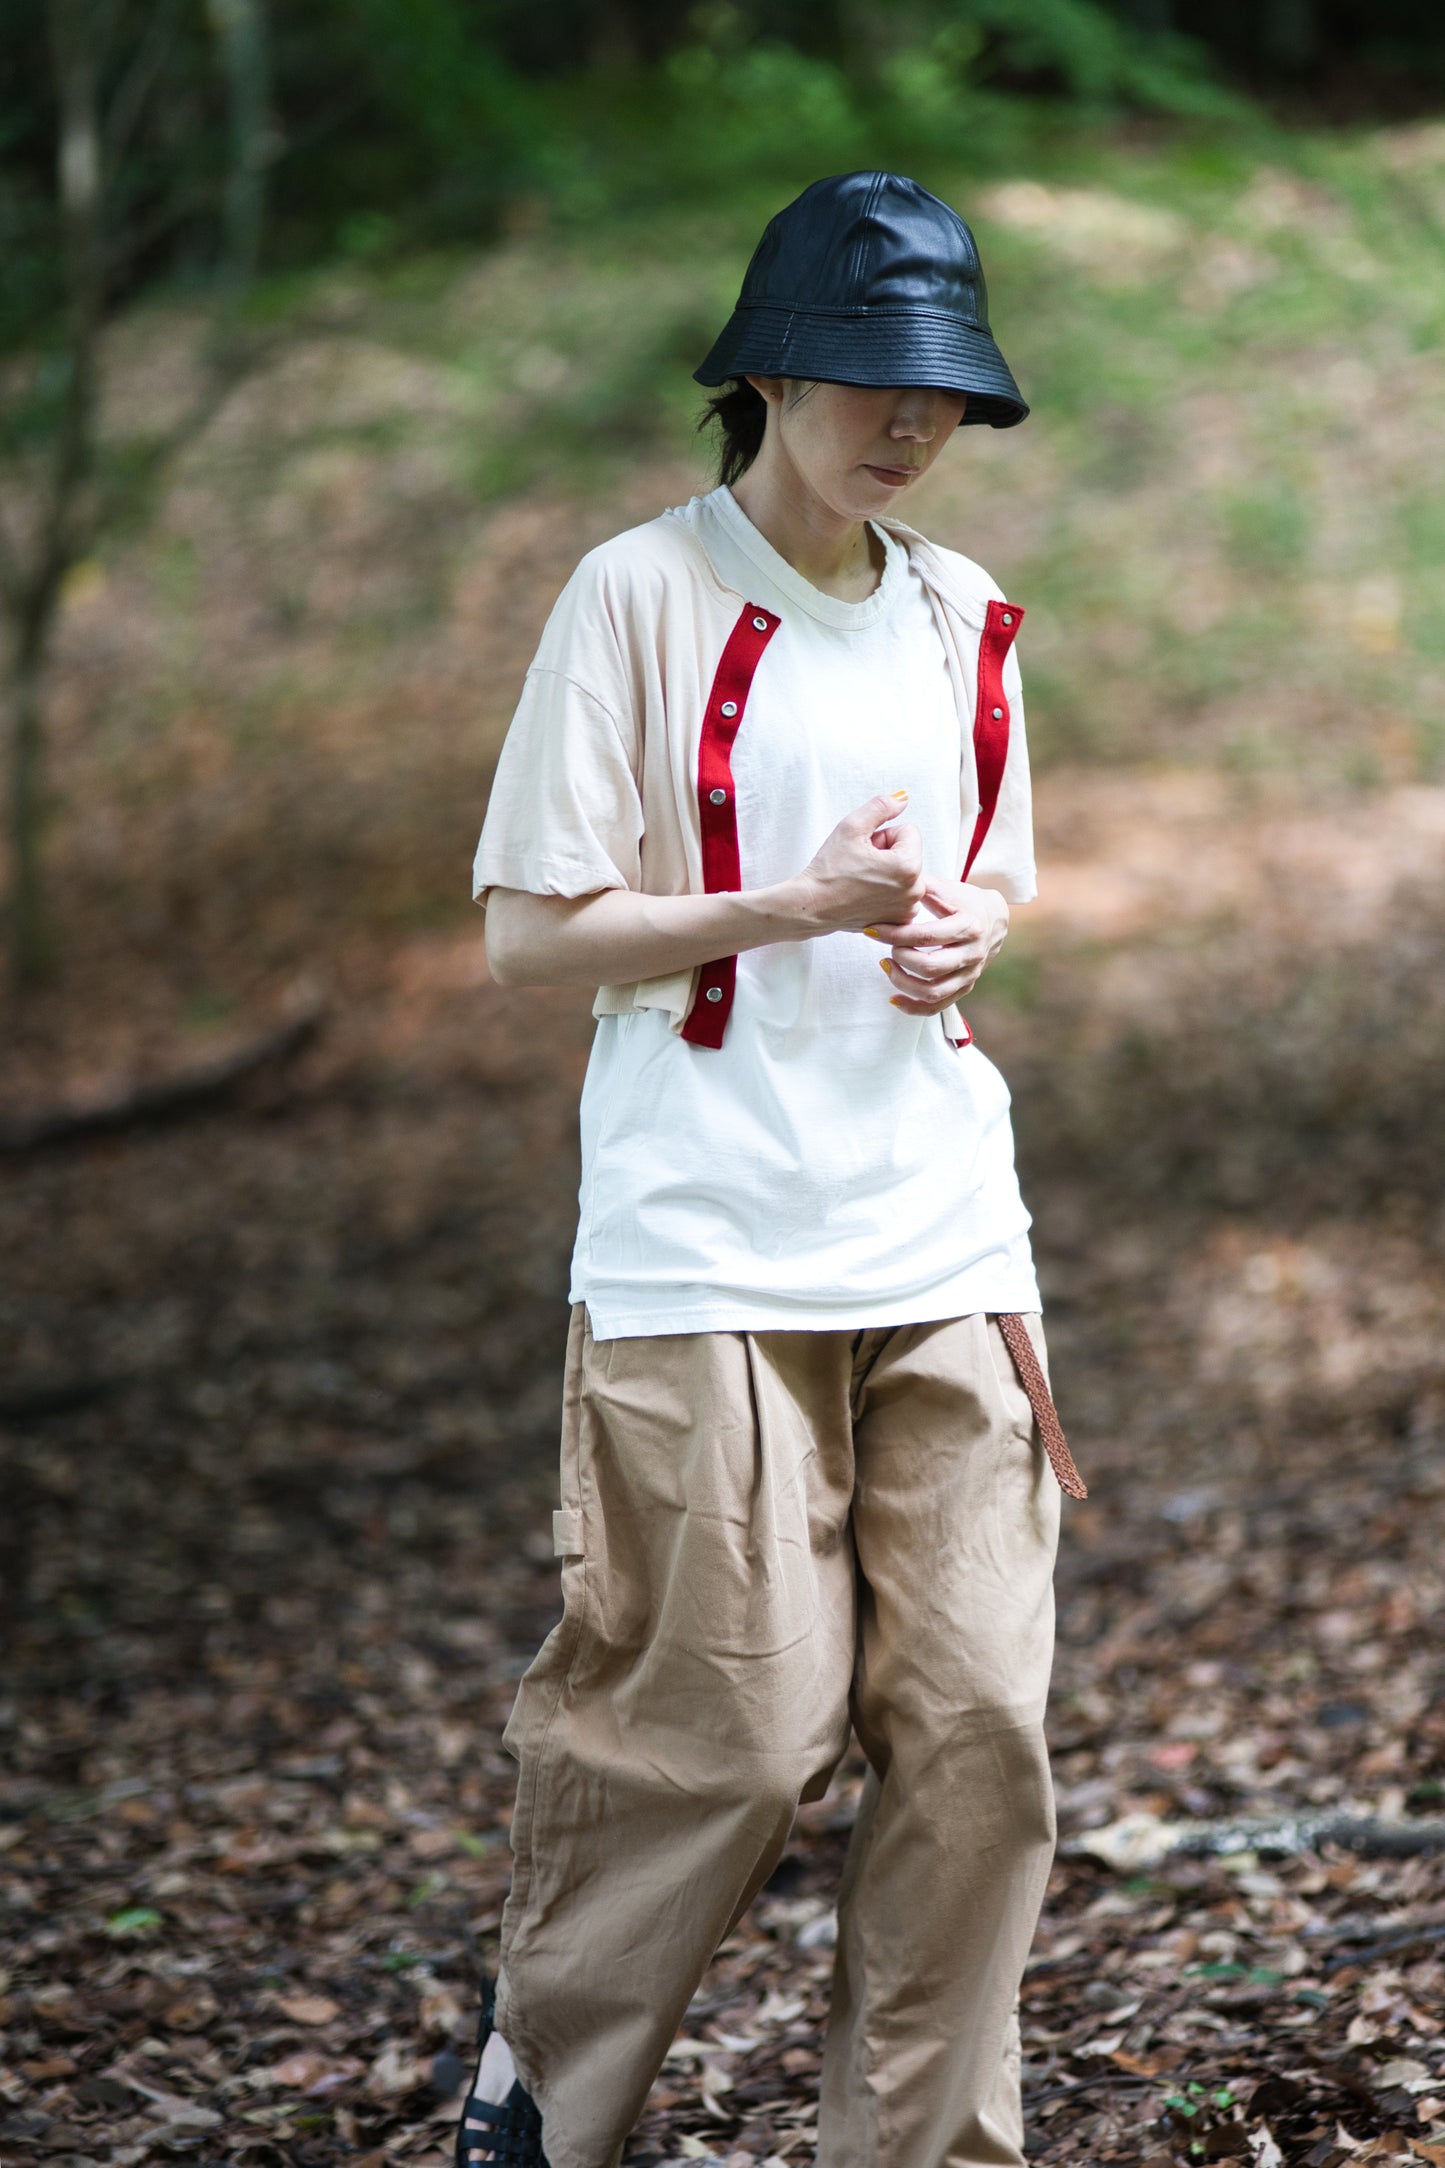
<point>765,1535</point>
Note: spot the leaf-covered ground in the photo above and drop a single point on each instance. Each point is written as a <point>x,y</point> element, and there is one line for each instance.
<point>279,1384</point>
<point>280,1406</point>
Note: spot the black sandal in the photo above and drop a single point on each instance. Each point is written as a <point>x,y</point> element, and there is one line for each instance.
<point>512,2128</point>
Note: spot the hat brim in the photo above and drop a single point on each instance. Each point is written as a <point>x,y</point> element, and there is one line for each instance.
<point>869,346</point>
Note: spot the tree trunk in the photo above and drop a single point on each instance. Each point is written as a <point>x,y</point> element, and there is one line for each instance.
<point>30,950</point>
<point>80,185</point>
<point>614,46</point>
<point>242,28</point>
<point>74,42</point>
<point>35,597</point>
<point>70,512</point>
<point>1290,34</point>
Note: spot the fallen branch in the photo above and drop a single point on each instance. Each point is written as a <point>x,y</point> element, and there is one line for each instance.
<point>59,1396</point>
<point>187,1091</point>
<point>1140,1841</point>
<point>1091,2085</point>
<point>1407,1938</point>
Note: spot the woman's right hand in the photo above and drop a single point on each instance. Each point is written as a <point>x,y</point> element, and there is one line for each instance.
<point>869,871</point>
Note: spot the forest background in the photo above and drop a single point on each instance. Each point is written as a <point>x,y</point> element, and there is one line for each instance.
<point>330,336</point>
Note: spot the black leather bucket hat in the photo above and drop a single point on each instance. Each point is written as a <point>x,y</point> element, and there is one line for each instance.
<point>868,279</point>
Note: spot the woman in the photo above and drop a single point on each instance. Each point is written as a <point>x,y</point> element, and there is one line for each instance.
<point>771,742</point>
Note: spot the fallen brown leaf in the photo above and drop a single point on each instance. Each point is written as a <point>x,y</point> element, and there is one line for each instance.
<point>308,2009</point>
<point>431,1843</point>
<point>395,2073</point>
<point>1142,2066</point>
<point>308,2068</point>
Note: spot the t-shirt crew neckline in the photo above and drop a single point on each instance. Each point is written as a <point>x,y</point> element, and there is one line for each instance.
<point>795,588</point>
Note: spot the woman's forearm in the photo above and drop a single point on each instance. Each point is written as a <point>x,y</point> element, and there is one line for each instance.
<point>868,870</point>
<point>616,936</point>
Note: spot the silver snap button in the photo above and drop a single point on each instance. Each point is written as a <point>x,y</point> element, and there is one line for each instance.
<point>1008,617</point>
<point>998,715</point>
<point>760,624</point>
<point>714,993</point>
<point>730,707</point>
<point>717,797</point>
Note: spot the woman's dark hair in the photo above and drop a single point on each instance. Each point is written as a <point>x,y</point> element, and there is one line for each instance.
<point>741,415</point>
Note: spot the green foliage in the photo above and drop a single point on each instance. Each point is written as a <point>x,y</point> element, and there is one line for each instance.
<point>161,90</point>
<point>433,131</point>
<point>730,104</point>
<point>402,123</point>
<point>133,1921</point>
<point>410,122</point>
<point>713,118</point>
<point>974,83</point>
<point>1077,49</point>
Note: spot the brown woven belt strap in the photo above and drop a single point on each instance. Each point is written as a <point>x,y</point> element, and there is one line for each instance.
<point>1041,1400</point>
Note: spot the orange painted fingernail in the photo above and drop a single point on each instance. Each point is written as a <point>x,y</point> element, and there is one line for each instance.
<point>883,963</point>
<point>872,933</point>
<point>900,794</point>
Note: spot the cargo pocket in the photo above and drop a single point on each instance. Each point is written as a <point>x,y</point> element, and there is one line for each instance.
<point>567,1532</point>
<point>530,1735</point>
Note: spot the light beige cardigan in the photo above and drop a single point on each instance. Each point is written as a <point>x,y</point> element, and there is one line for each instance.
<point>597,783</point>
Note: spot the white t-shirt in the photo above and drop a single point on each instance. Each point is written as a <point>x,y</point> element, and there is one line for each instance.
<point>836,1163</point>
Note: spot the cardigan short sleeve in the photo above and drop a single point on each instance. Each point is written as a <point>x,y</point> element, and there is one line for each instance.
<point>565,814</point>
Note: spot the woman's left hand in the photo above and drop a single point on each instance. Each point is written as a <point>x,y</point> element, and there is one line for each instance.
<point>945,948</point>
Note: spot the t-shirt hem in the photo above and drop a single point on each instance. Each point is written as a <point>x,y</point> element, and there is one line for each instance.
<point>961,1298</point>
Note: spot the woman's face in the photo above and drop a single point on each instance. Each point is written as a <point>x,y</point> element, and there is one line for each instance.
<point>856,447</point>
